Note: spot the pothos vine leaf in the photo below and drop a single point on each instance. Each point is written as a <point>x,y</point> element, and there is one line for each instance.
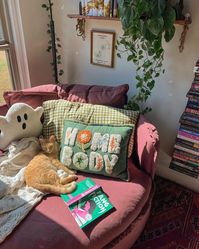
<point>54,43</point>
<point>145,23</point>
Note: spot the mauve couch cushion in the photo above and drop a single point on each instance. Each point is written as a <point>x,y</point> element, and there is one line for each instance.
<point>3,109</point>
<point>50,225</point>
<point>115,96</point>
<point>102,95</point>
<point>34,96</point>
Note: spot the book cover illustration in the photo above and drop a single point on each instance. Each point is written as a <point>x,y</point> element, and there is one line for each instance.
<point>87,202</point>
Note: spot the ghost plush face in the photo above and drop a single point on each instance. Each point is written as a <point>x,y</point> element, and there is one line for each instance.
<point>20,121</point>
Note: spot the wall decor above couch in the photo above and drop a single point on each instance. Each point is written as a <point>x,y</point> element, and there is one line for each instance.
<point>102,48</point>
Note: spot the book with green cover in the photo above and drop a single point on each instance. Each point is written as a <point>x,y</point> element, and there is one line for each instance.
<point>87,202</point>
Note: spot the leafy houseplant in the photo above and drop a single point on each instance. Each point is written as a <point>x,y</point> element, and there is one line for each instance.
<point>53,43</point>
<point>145,23</point>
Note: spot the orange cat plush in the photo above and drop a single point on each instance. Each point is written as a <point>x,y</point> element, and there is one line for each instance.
<point>41,172</point>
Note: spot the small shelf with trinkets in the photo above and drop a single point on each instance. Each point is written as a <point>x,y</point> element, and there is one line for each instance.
<point>76,16</point>
<point>81,20</point>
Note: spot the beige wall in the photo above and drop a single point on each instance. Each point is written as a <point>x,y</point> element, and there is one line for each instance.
<point>34,21</point>
<point>169,97</point>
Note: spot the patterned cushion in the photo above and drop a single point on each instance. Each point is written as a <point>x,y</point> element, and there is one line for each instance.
<point>99,149</point>
<point>56,111</point>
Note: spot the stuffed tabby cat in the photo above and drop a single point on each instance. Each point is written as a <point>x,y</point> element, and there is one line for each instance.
<point>41,172</point>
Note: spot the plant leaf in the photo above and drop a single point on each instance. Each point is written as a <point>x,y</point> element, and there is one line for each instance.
<point>44,6</point>
<point>155,25</point>
<point>169,17</point>
<point>130,57</point>
<point>169,33</point>
<point>118,55</point>
<point>161,4</point>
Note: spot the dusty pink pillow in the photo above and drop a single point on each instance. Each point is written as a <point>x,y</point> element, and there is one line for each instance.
<point>102,95</point>
<point>3,109</point>
<point>34,96</point>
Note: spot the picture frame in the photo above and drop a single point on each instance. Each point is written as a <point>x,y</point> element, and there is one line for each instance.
<point>102,48</point>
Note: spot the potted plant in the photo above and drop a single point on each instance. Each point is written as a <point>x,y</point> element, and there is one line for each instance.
<point>145,23</point>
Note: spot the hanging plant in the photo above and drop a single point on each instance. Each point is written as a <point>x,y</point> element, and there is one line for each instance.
<point>145,23</point>
<point>54,43</point>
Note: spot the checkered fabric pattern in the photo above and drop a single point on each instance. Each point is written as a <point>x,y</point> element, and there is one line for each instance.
<point>56,111</point>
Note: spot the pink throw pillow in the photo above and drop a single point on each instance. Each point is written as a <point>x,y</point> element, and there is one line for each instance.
<point>102,95</point>
<point>3,109</point>
<point>34,96</point>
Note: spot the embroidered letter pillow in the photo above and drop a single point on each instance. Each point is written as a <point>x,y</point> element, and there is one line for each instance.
<point>56,111</point>
<point>99,149</point>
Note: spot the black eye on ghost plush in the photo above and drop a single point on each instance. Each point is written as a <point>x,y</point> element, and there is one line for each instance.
<point>25,116</point>
<point>19,119</point>
<point>0,132</point>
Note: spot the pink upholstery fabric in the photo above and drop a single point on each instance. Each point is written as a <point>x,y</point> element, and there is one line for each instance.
<point>51,225</point>
<point>102,95</point>
<point>147,145</point>
<point>43,88</point>
<point>3,109</point>
<point>34,96</point>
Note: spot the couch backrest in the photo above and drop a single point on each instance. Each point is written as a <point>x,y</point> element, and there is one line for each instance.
<point>103,95</point>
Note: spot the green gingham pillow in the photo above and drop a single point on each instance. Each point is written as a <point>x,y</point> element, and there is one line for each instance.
<point>98,149</point>
<point>57,111</point>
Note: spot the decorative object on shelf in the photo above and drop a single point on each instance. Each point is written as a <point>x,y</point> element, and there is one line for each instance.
<point>184,32</point>
<point>185,158</point>
<point>107,8</point>
<point>80,28</point>
<point>186,18</point>
<point>53,43</point>
<point>102,48</point>
<point>149,21</point>
<point>95,8</point>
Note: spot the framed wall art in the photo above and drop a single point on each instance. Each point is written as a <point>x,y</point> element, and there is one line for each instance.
<point>102,48</point>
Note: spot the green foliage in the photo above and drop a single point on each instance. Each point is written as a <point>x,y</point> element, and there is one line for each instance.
<point>145,23</point>
<point>53,43</point>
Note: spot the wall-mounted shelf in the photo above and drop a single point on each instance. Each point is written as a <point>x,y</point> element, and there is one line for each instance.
<point>183,22</point>
<point>81,19</point>
<point>93,17</point>
<point>75,16</point>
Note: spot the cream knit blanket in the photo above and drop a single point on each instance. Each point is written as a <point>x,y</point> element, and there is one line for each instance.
<point>16,199</point>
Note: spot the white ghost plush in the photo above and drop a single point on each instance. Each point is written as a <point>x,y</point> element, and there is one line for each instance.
<point>20,121</point>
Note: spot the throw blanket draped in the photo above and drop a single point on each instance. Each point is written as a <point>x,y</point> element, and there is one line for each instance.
<point>16,199</point>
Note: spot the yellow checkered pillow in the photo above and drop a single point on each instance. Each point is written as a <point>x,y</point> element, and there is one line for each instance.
<point>57,111</point>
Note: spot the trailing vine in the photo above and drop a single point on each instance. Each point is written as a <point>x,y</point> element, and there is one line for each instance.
<point>54,43</point>
<point>144,23</point>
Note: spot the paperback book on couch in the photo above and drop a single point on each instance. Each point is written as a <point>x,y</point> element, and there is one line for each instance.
<point>87,202</point>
